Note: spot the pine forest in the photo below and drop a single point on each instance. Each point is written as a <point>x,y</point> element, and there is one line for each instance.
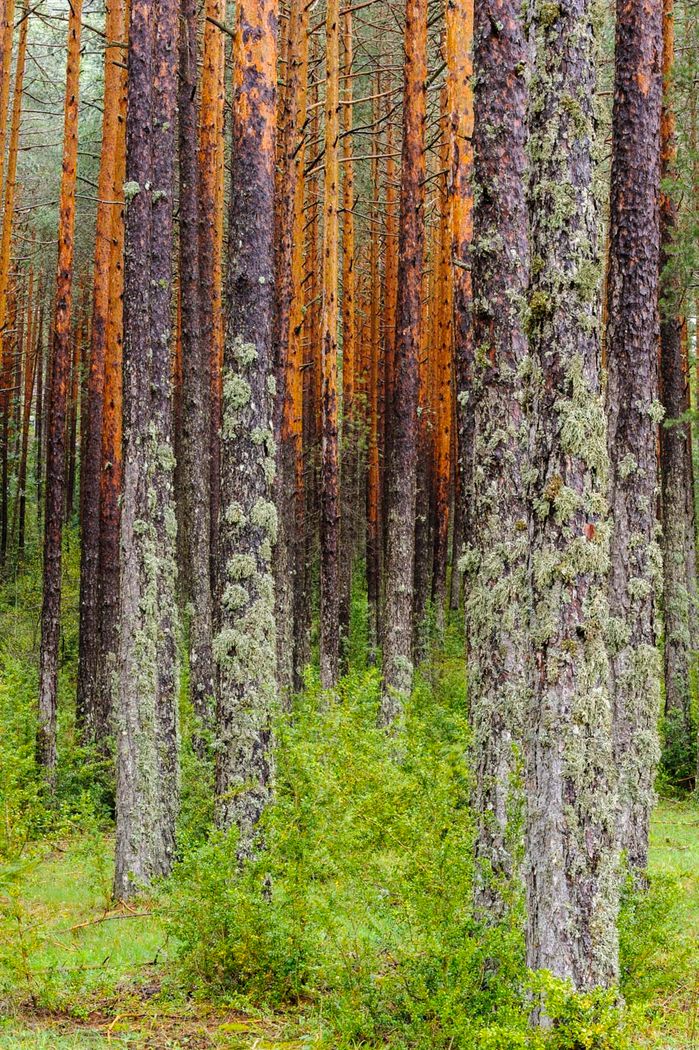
<point>349,505</point>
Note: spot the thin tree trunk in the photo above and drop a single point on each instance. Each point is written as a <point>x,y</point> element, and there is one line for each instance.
<point>58,397</point>
<point>210,242</point>
<point>111,441</point>
<point>400,553</point>
<point>633,413</point>
<point>31,378</point>
<point>89,643</point>
<point>675,458</point>
<point>330,472</point>
<point>246,644</point>
<point>571,864</point>
<point>288,407</point>
<point>147,755</point>
<point>349,493</point>
<point>459,45</point>
<point>196,424</point>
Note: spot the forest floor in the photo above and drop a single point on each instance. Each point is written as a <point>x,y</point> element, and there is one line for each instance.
<point>87,975</point>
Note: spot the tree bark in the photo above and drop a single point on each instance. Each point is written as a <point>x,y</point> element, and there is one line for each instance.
<point>246,645</point>
<point>496,599</point>
<point>402,466</point>
<point>196,423</point>
<point>89,645</point>
<point>57,404</point>
<point>111,440</point>
<point>675,455</point>
<point>147,755</point>
<point>571,864</point>
<point>330,452</point>
<point>459,45</point>
<point>633,413</point>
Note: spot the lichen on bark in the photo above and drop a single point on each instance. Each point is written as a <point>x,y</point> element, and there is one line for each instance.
<point>571,864</point>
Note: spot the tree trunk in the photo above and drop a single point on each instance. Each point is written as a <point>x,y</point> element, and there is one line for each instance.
<point>496,600</point>
<point>459,43</point>
<point>675,458</point>
<point>400,553</point>
<point>288,357</point>
<point>330,471</point>
<point>246,645</point>
<point>633,413</point>
<point>349,493</point>
<point>147,756</point>
<point>58,398</point>
<point>571,862</point>
<point>89,645</point>
<point>196,424</point>
<point>111,473</point>
<point>210,242</point>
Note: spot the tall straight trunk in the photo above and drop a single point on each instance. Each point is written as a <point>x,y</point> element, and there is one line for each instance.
<point>32,376</point>
<point>72,421</point>
<point>40,422</point>
<point>12,152</point>
<point>246,645</point>
<point>402,465</point>
<point>330,458</point>
<point>349,492</point>
<point>571,865</point>
<point>196,423</point>
<point>496,604</point>
<point>633,412</point>
<point>57,404</point>
<point>459,45</point>
<point>210,240</point>
<point>288,407</point>
<point>390,297</point>
<point>110,481</point>
<point>7,26</point>
<point>147,751</point>
<point>424,552</point>
<point>442,383</point>
<point>89,643</point>
<point>675,457</point>
<point>374,501</point>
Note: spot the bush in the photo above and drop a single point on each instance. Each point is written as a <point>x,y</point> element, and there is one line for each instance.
<point>361,901</point>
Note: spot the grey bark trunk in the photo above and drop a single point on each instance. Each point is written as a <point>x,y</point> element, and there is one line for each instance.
<point>245,647</point>
<point>147,737</point>
<point>571,862</point>
<point>495,560</point>
<point>633,413</point>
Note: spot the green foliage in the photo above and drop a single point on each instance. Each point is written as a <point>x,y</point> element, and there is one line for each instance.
<point>679,753</point>
<point>362,899</point>
<point>84,784</point>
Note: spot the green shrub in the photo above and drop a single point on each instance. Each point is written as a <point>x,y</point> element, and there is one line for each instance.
<point>361,901</point>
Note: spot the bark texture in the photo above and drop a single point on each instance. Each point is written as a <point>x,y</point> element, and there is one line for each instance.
<point>196,423</point>
<point>675,448</point>
<point>330,449</point>
<point>633,413</point>
<point>402,464</point>
<point>94,721</point>
<point>495,561</point>
<point>571,865</point>
<point>147,760</point>
<point>246,645</point>
<point>57,404</point>
<point>459,47</point>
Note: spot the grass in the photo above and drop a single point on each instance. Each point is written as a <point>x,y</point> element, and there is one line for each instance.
<point>75,972</point>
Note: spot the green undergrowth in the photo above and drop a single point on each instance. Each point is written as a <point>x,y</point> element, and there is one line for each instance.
<point>353,928</point>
